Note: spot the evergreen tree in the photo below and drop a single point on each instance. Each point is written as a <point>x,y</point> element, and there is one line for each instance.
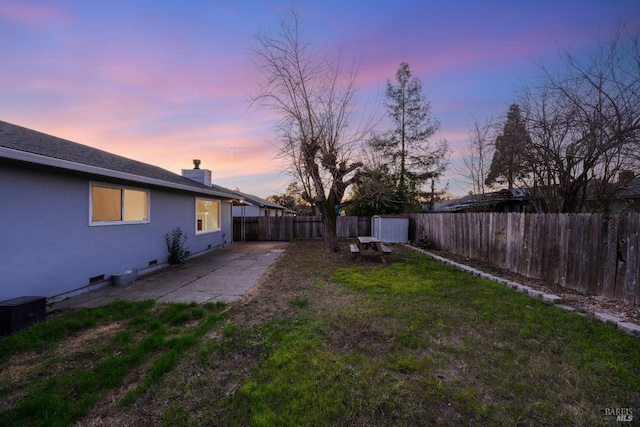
<point>410,158</point>
<point>509,162</point>
<point>375,195</point>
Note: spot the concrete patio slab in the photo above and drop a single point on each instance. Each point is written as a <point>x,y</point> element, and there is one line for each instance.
<point>224,274</point>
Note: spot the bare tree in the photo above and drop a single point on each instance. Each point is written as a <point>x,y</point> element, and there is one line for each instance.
<point>585,125</point>
<point>478,154</point>
<point>553,163</point>
<point>314,100</point>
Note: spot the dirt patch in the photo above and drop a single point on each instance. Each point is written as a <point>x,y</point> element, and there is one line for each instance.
<point>80,341</point>
<point>302,266</point>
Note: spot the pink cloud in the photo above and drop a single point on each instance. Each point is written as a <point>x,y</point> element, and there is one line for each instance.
<point>34,16</point>
<point>168,84</point>
<point>226,149</point>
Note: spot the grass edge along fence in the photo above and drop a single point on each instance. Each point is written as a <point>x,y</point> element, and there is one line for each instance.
<point>590,253</point>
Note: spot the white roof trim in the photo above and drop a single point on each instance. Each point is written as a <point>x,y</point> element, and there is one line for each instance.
<point>25,156</point>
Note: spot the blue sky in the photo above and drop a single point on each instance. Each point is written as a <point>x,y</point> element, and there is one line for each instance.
<point>165,82</point>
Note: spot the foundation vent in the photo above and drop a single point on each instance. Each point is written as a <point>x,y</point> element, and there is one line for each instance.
<point>96,279</point>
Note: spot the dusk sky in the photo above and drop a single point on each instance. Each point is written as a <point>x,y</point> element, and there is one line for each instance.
<point>166,82</point>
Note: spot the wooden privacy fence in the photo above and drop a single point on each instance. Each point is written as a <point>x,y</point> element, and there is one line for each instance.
<point>590,253</point>
<point>298,227</point>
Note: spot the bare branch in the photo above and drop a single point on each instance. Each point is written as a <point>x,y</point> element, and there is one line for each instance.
<point>314,100</point>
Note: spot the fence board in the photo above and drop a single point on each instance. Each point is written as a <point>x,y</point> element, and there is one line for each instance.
<point>512,244</point>
<point>245,229</point>
<point>347,226</point>
<point>307,227</point>
<point>275,228</point>
<point>563,247</point>
<point>575,246</point>
<point>491,255</point>
<point>610,251</point>
<point>531,247</point>
<point>621,260</point>
<point>550,249</point>
<point>575,243</point>
<point>581,253</point>
<point>595,283</point>
<point>631,285</point>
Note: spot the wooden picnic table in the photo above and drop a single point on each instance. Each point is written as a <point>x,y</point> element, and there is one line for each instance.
<point>369,245</point>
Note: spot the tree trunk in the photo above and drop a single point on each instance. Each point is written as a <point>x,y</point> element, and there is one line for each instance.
<point>329,229</point>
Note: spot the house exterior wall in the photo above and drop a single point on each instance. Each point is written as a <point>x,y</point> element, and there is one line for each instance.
<point>246,211</point>
<point>253,210</point>
<point>48,247</point>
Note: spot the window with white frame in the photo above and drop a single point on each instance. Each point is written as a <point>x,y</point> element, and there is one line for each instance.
<point>111,204</point>
<point>207,215</point>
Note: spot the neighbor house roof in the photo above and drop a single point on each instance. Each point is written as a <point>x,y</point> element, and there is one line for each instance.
<point>632,189</point>
<point>26,145</point>
<point>250,199</point>
<point>466,203</point>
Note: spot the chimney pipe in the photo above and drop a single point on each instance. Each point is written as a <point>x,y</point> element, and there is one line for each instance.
<point>203,176</point>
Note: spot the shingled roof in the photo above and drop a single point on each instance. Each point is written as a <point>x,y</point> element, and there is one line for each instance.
<point>19,143</point>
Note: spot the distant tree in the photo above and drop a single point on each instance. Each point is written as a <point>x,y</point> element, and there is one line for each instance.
<point>510,156</point>
<point>282,199</point>
<point>292,199</point>
<point>585,126</point>
<point>374,195</point>
<point>409,156</point>
<point>428,199</point>
<point>477,155</point>
<point>314,100</point>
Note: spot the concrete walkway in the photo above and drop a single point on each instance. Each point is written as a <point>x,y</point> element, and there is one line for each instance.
<point>224,274</point>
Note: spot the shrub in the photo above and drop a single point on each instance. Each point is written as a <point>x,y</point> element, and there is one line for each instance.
<point>175,245</point>
<point>424,243</point>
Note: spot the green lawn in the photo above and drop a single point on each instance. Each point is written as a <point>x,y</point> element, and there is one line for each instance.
<point>328,342</point>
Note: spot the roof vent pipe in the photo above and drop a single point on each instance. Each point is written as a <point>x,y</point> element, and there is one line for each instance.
<point>196,164</point>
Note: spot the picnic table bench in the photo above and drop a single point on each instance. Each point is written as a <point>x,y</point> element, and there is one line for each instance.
<point>369,245</point>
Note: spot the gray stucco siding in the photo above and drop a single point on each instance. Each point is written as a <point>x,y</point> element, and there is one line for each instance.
<point>49,248</point>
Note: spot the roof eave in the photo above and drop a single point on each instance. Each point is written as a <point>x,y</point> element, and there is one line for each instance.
<point>39,159</point>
